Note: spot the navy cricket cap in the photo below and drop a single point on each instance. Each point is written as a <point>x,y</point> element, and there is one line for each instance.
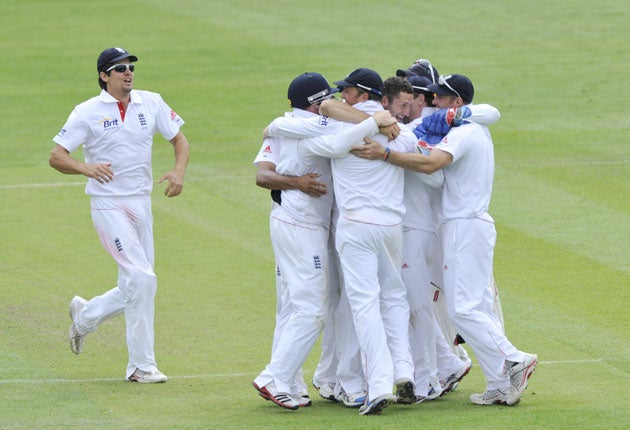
<point>420,84</point>
<point>420,67</point>
<point>454,85</point>
<point>307,89</point>
<point>111,55</point>
<point>366,79</point>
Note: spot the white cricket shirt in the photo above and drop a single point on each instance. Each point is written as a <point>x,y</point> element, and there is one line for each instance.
<point>106,138</point>
<point>371,191</point>
<point>468,179</point>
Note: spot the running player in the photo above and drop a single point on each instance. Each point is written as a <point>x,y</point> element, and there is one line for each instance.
<point>116,131</point>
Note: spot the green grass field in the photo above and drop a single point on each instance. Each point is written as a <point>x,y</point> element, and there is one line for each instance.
<point>555,70</point>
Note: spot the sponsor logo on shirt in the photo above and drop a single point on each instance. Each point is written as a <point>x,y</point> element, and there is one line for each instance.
<point>109,123</point>
<point>323,120</point>
<point>267,149</point>
<point>62,132</point>
<point>173,115</point>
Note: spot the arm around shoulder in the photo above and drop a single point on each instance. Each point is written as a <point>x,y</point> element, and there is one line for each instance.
<point>342,111</point>
<point>428,164</point>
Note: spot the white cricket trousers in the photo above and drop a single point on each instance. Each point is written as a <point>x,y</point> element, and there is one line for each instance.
<point>302,257</point>
<point>371,257</point>
<point>468,246</point>
<point>125,228</point>
<point>340,360</point>
<point>418,246</point>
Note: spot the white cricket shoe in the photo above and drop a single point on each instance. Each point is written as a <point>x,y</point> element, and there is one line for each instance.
<point>431,395</point>
<point>269,392</point>
<point>519,375</point>
<point>327,391</point>
<point>303,399</point>
<point>491,397</point>
<point>143,377</point>
<point>375,407</point>
<point>75,337</point>
<point>353,400</point>
<point>451,382</point>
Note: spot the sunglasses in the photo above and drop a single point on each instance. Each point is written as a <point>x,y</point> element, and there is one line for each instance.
<point>368,89</point>
<point>319,97</point>
<point>419,89</point>
<point>121,68</point>
<point>443,81</point>
<point>427,64</point>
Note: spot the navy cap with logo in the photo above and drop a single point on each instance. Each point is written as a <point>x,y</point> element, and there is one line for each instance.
<point>454,85</point>
<point>111,55</point>
<point>366,79</point>
<point>420,67</point>
<point>307,89</point>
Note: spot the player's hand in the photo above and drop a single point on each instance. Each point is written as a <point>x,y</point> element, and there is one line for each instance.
<point>175,183</point>
<point>391,131</point>
<point>371,150</point>
<point>384,118</point>
<point>309,184</point>
<point>101,172</point>
<point>387,124</point>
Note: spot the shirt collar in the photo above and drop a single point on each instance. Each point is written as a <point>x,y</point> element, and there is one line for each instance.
<point>108,98</point>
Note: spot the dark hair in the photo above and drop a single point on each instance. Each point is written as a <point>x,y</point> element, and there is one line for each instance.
<point>428,97</point>
<point>102,83</point>
<point>395,85</point>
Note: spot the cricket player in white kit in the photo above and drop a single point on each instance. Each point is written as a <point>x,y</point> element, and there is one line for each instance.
<point>116,130</point>
<point>369,242</point>
<point>300,237</point>
<point>266,177</point>
<point>435,359</point>
<point>466,157</point>
<point>339,375</point>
